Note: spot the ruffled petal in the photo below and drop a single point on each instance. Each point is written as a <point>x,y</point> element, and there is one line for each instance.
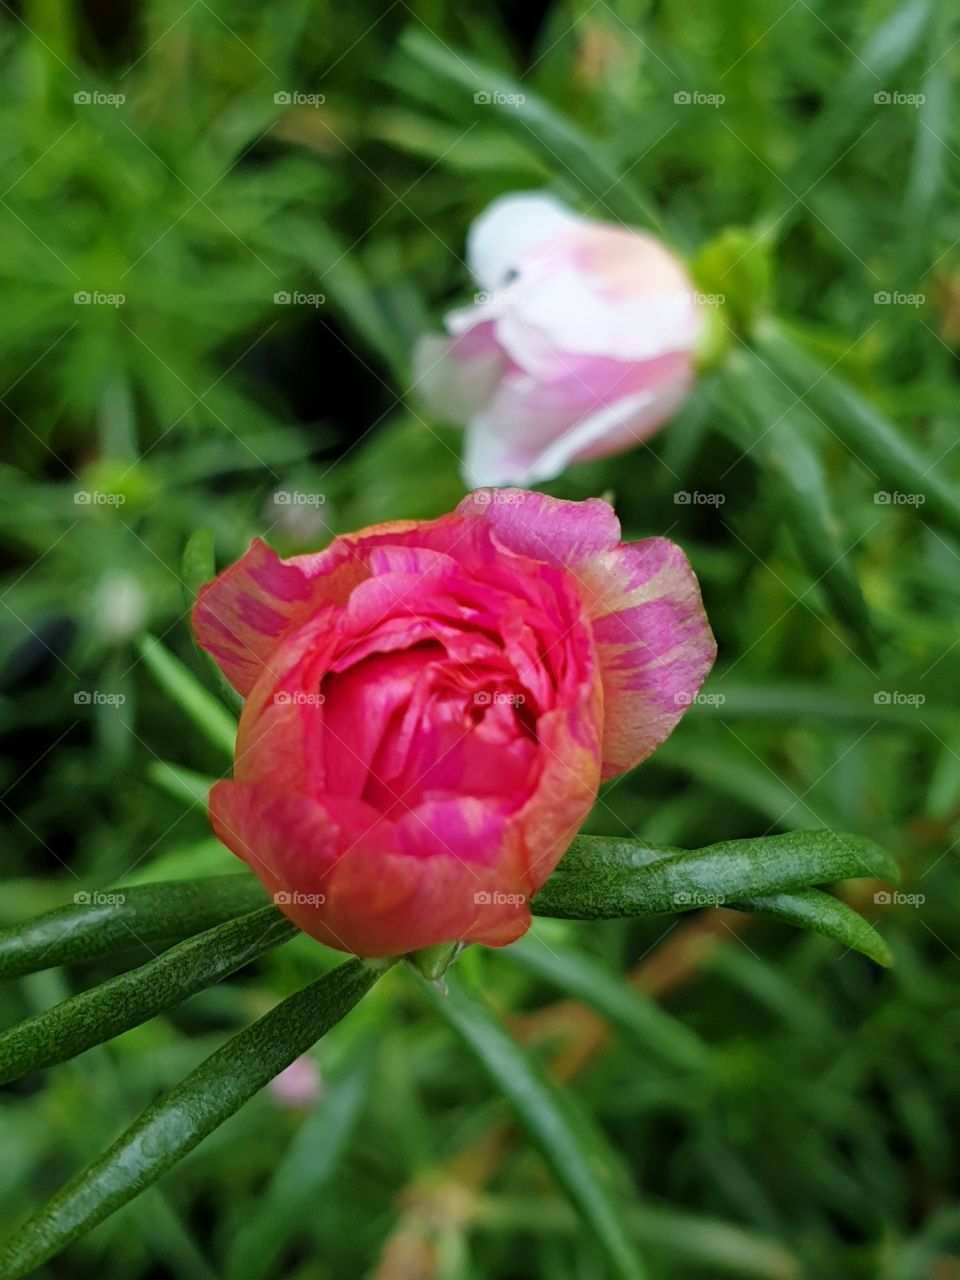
<point>345,877</point>
<point>653,641</point>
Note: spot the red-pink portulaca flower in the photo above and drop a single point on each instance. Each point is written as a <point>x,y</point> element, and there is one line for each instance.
<point>430,708</point>
<point>580,344</point>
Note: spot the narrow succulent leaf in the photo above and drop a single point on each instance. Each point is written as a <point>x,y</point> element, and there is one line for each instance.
<point>199,566</point>
<point>820,913</point>
<point>876,442</point>
<point>182,686</point>
<point>768,432</point>
<point>186,785</point>
<point>574,1149</point>
<point>603,878</point>
<point>181,1118</point>
<point>100,924</point>
<point>539,126</point>
<point>626,1007</point>
<point>273,1220</point>
<point>131,998</point>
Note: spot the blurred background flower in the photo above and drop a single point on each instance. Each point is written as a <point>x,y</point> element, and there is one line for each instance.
<point>579,344</point>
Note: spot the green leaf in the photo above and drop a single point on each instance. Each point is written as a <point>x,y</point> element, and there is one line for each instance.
<point>874,67</point>
<point>103,923</point>
<point>186,1114</point>
<point>875,441</point>
<point>787,455</point>
<point>820,913</point>
<point>180,684</point>
<point>198,567</point>
<point>183,784</point>
<point>574,1149</point>
<point>280,1211</point>
<point>604,878</point>
<point>584,159</point>
<point>131,998</point>
<point>625,1006</point>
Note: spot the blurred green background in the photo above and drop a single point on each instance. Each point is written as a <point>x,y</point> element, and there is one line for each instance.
<point>264,207</point>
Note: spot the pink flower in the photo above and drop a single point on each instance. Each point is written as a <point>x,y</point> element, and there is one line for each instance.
<point>580,344</point>
<point>431,707</point>
<point>297,1085</point>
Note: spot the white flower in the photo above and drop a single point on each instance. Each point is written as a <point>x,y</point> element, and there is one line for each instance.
<point>580,342</point>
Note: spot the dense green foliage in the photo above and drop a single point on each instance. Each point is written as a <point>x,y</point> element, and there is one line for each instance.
<point>786,1108</point>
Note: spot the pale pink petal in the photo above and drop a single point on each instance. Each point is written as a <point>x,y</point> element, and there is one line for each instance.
<point>508,230</point>
<point>653,640</point>
<point>454,377</point>
<point>654,643</point>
